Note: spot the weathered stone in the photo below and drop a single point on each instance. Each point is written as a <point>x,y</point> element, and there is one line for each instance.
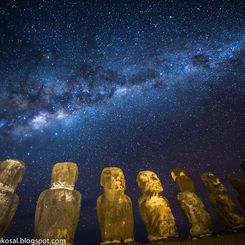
<point>11,174</point>
<point>154,208</point>
<point>58,209</point>
<point>194,210</point>
<point>114,209</point>
<point>228,213</point>
<point>64,174</point>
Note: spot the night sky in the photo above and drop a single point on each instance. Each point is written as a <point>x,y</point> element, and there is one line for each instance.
<point>142,85</point>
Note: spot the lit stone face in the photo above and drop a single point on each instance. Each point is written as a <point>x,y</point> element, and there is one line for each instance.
<point>58,208</point>
<point>228,213</point>
<point>194,210</point>
<point>113,179</point>
<point>64,174</point>
<point>149,183</point>
<point>11,174</point>
<point>154,208</point>
<point>114,209</point>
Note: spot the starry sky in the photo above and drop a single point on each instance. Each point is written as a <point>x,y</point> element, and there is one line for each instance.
<point>138,84</point>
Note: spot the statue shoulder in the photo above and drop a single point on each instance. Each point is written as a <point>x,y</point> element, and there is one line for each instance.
<point>99,199</point>
<point>77,194</point>
<point>127,199</point>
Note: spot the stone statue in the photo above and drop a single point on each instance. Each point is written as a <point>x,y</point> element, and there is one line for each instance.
<point>198,218</point>
<point>154,208</point>
<point>114,209</point>
<point>58,208</point>
<point>11,174</point>
<point>228,213</point>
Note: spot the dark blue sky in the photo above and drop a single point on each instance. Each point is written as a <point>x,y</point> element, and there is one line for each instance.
<point>136,84</point>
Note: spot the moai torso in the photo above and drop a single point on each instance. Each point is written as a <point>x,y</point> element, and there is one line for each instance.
<point>11,174</point>
<point>228,213</point>
<point>154,208</point>
<point>198,218</point>
<point>114,209</point>
<point>58,209</point>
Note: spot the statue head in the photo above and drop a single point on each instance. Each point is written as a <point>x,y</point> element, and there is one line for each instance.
<point>212,182</point>
<point>176,173</point>
<point>64,175</point>
<point>11,174</point>
<point>183,181</point>
<point>112,178</point>
<point>148,182</point>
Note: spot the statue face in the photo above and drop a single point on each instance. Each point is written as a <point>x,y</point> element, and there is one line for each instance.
<point>149,182</point>
<point>64,173</point>
<point>11,172</point>
<point>113,178</point>
<point>212,182</point>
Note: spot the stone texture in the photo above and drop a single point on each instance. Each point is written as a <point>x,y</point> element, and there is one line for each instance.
<point>114,209</point>
<point>154,208</point>
<point>58,209</point>
<point>64,174</point>
<point>193,208</point>
<point>11,174</point>
<point>229,215</point>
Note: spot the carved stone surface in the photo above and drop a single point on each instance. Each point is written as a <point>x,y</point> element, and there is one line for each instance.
<point>114,209</point>
<point>58,209</point>
<point>154,208</point>
<point>228,213</point>
<point>11,174</point>
<point>198,218</point>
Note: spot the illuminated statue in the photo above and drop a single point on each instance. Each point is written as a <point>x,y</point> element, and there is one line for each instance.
<point>114,209</point>
<point>228,213</point>
<point>58,208</point>
<point>11,174</point>
<point>154,208</point>
<point>198,218</point>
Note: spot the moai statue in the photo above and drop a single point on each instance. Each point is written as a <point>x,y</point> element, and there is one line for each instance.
<point>198,218</point>
<point>58,208</point>
<point>114,209</point>
<point>228,213</point>
<point>11,174</point>
<point>154,208</point>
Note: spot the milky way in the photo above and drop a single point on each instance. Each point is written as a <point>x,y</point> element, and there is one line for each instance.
<point>136,84</point>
